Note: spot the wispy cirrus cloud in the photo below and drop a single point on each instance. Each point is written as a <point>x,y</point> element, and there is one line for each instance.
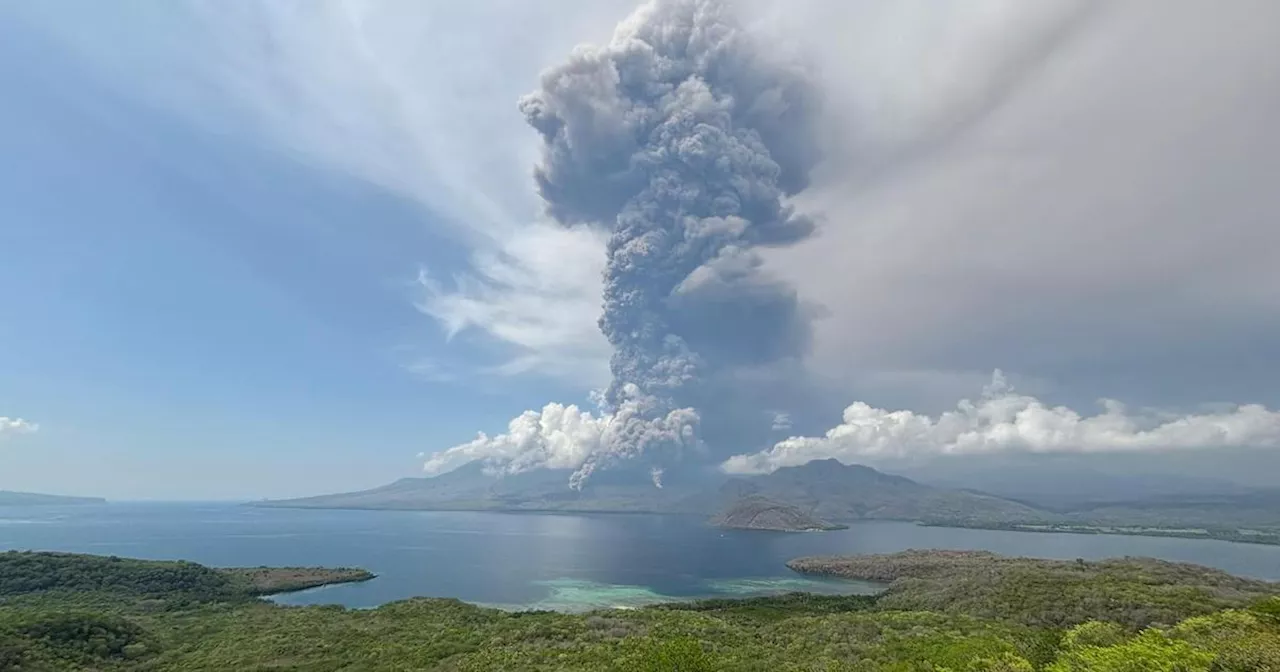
<point>417,99</point>
<point>539,294</point>
<point>422,100</point>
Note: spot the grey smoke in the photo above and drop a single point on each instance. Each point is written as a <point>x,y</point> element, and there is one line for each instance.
<point>684,138</point>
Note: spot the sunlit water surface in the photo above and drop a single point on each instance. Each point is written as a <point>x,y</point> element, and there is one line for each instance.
<point>541,561</point>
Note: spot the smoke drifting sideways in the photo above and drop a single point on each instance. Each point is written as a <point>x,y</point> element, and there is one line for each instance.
<point>684,138</point>
<point>1004,421</point>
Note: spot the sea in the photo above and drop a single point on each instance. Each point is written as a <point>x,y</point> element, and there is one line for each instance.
<point>543,561</point>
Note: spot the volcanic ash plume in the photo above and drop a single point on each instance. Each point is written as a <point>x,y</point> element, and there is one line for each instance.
<point>683,138</point>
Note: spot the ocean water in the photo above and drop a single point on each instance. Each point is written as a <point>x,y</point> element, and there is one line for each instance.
<point>543,561</point>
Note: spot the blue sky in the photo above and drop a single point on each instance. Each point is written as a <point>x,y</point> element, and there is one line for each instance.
<point>201,314</point>
<point>257,249</point>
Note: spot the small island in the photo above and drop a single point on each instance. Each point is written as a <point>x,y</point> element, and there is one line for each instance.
<point>762,513</point>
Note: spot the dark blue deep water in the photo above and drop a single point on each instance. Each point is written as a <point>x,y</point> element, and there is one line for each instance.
<point>540,561</point>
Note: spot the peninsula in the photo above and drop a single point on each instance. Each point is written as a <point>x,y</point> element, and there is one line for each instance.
<point>265,581</point>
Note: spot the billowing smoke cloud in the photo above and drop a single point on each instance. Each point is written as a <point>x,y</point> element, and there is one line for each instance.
<point>684,139</point>
<point>1005,421</point>
<point>566,437</point>
<point>11,426</point>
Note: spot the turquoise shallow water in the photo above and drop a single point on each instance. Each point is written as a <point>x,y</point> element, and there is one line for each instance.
<point>578,595</point>
<point>523,561</point>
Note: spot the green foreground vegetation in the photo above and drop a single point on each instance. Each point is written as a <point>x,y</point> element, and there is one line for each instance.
<point>963,612</point>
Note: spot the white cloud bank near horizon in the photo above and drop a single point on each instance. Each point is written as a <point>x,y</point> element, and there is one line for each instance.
<point>1000,421</point>
<point>15,426</point>
<point>1004,421</point>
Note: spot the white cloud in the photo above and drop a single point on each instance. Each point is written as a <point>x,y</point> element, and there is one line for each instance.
<point>419,99</point>
<point>557,437</point>
<point>540,293</point>
<point>567,437</point>
<point>1005,421</point>
<point>14,426</point>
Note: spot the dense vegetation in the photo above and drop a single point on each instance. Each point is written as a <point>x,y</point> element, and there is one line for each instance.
<point>117,578</point>
<point>1121,616</point>
<point>24,573</point>
<point>274,580</point>
<point>1133,592</point>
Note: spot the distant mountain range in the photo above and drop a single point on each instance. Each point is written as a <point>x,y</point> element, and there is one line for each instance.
<point>9,498</point>
<point>824,490</point>
<point>826,493</point>
<point>837,492</point>
<point>470,488</point>
<point>1060,485</point>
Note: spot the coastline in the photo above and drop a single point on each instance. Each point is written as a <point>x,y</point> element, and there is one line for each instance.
<point>1259,537</point>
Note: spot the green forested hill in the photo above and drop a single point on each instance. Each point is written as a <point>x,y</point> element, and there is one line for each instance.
<point>74,575</point>
<point>1134,592</point>
<point>943,611</point>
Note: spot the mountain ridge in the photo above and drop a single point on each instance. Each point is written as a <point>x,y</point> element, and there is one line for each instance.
<point>15,498</point>
<point>827,491</point>
<point>833,491</point>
